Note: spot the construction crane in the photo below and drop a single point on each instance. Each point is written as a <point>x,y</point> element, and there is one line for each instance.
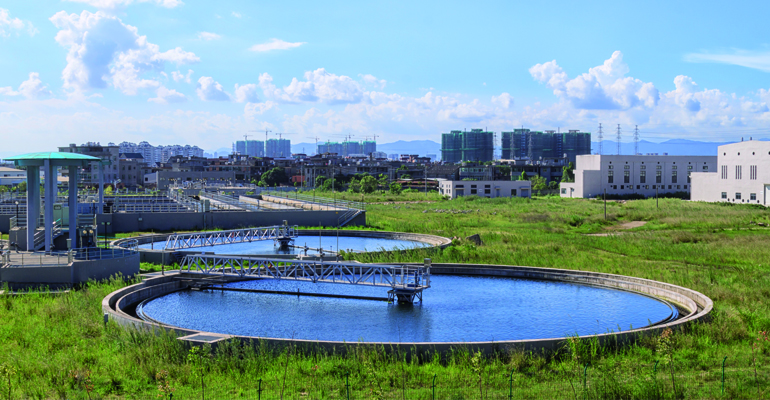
<point>282,133</point>
<point>266,132</point>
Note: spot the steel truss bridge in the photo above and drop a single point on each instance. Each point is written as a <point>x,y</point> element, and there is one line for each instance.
<point>405,282</point>
<point>212,238</point>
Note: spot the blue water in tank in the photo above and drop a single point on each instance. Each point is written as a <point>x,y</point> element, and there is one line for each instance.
<point>454,309</point>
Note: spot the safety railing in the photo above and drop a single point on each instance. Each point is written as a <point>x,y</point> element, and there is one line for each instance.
<point>11,259</point>
<point>98,253</point>
<point>402,277</point>
<point>202,239</point>
<point>326,201</point>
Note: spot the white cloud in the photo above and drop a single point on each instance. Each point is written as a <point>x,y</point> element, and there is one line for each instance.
<point>166,96</point>
<point>246,93</point>
<point>178,76</point>
<point>8,91</point>
<point>210,90</point>
<point>504,100</point>
<point>208,36</point>
<point>275,44</point>
<point>251,110</point>
<point>372,80</point>
<point>759,60</point>
<point>318,85</point>
<point>32,88</point>
<point>10,25</point>
<point>115,4</point>
<point>604,87</point>
<point>103,50</point>
<point>236,14</point>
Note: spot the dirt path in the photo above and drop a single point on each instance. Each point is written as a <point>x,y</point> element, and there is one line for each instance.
<point>624,226</point>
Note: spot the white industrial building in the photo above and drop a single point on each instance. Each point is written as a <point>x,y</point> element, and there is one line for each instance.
<point>743,175</point>
<point>490,189</point>
<point>640,174</point>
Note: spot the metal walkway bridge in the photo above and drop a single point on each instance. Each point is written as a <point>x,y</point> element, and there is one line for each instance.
<point>405,282</point>
<point>212,238</point>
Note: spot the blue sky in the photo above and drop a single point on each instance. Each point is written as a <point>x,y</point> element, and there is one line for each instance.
<point>166,70</point>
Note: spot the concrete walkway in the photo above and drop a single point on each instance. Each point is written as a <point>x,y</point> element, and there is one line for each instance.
<point>307,205</point>
<point>35,259</point>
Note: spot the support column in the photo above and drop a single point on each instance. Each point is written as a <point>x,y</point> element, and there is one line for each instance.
<point>50,198</point>
<point>33,204</point>
<point>73,205</point>
<point>101,188</point>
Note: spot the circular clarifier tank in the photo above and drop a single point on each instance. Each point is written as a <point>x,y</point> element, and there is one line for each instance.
<point>330,243</point>
<point>455,309</point>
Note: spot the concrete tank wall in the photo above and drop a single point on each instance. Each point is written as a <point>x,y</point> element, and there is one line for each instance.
<point>696,308</point>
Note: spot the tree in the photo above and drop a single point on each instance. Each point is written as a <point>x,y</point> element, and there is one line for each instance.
<point>523,176</point>
<point>538,183</point>
<point>3,189</point>
<point>274,177</point>
<point>567,174</point>
<point>108,191</point>
<point>354,186</point>
<point>383,181</point>
<point>505,170</point>
<point>22,187</point>
<point>395,188</point>
<point>319,180</point>
<point>406,176</point>
<point>368,184</point>
<point>327,185</point>
<point>553,185</point>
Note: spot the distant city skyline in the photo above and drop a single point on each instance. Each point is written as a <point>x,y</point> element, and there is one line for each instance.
<point>205,74</point>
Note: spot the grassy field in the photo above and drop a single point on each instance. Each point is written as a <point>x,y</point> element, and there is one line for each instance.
<point>58,347</point>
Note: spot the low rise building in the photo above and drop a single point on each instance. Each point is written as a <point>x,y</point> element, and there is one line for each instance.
<point>489,189</point>
<point>12,176</point>
<point>742,176</point>
<point>642,175</point>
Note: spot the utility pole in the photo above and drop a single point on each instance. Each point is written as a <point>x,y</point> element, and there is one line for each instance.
<point>600,139</point>
<point>636,139</point>
<point>618,139</point>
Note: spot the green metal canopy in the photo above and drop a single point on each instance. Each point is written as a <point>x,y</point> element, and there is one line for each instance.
<point>56,158</point>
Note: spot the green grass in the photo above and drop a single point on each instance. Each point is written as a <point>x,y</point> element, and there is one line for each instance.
<point>59,346</point>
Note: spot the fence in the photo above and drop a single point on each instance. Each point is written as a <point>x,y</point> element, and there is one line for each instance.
<point>478,382</point>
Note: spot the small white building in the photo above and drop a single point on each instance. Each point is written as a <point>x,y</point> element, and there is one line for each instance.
<point>743,175</point>
<point>12,176</point>
<point>644,175</point>
<point>489,189</point>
